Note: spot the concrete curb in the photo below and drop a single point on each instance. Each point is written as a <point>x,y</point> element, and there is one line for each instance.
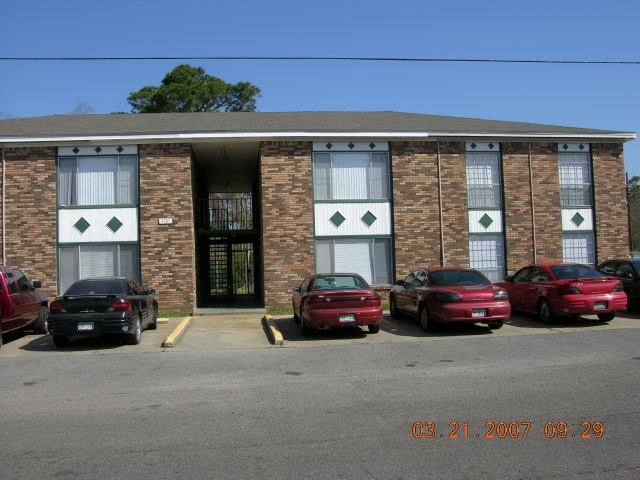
<point>272,328</point>
<point>177,332</point>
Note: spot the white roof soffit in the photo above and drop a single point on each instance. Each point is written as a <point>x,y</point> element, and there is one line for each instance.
<point>270,136</point>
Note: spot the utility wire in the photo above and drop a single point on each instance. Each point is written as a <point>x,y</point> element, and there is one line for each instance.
<point>347,59</point>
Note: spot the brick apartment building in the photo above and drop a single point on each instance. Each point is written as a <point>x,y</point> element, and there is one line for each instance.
<point>233,209</point>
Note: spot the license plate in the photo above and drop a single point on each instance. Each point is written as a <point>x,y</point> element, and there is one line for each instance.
<point>479,312</point>
<point>85,326</point>
<point>347,318</point>
<point>600,305</point>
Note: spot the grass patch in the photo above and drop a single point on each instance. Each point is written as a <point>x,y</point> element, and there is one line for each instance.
<point>280,311</point>
<point>173,314</point>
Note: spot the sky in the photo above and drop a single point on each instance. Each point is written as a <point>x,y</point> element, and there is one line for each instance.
<point>601,96</point>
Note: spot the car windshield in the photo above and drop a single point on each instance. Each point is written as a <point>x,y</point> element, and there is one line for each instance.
<point>98,287</point>
<point>574,271</point>
<point>338,281</point>
<point>457,277</point>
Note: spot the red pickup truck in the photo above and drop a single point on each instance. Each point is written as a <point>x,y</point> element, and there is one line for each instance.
<point>22,303</point>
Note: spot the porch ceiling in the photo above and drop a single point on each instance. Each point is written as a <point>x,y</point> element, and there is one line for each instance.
<point>227,166</point>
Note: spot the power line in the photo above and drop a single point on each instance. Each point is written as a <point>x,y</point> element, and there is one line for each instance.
<point>312,58</point>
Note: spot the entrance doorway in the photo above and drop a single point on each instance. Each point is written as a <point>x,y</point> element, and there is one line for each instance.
<point>227,252</point>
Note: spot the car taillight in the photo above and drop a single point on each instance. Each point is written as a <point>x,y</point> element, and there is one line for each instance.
<point>120,305</point>
<point>373,300</point>
<point>568,289</point>
<point>618,287</point>
<point>448,297</point>
<point>501,295</point>
<point>56,307</point>
<point>314,301</point>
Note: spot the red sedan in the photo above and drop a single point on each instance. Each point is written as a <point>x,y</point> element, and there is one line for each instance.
<point>330,300</point>
<point>565,289</point>
<point>448,294</point>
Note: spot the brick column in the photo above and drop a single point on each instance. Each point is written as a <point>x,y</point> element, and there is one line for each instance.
<point>286,207</point>
<point>167,252</point>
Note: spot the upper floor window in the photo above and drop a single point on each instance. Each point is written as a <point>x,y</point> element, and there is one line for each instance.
<point>351,176</point>
<point>104,180</point>
<point>575,179</point>
<point>483,180</point>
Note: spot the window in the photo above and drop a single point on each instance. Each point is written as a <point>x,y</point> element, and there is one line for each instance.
<point>578,248</point>
<point>108,180</point>
<point>575,180</point>
<point>486,254</point>
<point>87,261</point>
<point>368,257</point>
<point>483,180</point>
<point>351,176</point>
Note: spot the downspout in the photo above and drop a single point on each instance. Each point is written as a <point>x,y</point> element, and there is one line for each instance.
<point>442,255</point>
<point>533,207</point>
<point>3,202</point>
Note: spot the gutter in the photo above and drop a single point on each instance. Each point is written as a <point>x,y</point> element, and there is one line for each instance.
<point>270,136</point>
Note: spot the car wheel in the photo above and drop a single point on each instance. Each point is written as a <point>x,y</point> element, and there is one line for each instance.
<point>296,317</point>
<point>305,331</point>
<point>154,319</point>
<point>393,308</point>
<point>606,317</point>
<point>545,313</point>
<point>374,328</point>
<point>425,320</point>
<point>134,338</point>
<point>60,341</point>
<point>495,324</point>
<point>41,325</point>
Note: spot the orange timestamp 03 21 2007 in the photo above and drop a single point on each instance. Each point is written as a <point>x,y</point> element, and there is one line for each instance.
<point>508,429</point>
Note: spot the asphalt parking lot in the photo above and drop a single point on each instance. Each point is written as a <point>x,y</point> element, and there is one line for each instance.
<point>253,330</point>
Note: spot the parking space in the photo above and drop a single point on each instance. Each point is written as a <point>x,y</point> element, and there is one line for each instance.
<point>249,331</point>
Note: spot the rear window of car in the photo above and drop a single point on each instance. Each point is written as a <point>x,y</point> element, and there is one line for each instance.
<point>98,287</point>
<point>323,283</point>
<point>450,278</point>
<point>562,272</point>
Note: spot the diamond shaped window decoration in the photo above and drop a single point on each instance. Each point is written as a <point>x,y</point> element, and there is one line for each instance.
<point>337,219</point>
<point>114,224</point>
<point>369,218</point>
<point>75,150</point>
<point>119,149</point>
<point>82,225</point>
<point>97,149</point>
<point>577,219</point>
<point>486,221</point>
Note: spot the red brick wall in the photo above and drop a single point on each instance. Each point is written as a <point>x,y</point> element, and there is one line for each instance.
<point>30,213</point>
<point>612,228</point>
<point>415,205</point>
<point>167,252</point>
<point>453,178</point>
<point>286,208</point>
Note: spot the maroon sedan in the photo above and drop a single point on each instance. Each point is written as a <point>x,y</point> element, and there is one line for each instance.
<point>336,300</point>
<point>565,289</point>
<point>450,294</point>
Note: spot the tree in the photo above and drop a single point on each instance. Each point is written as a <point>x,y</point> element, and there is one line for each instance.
<point>191,89</point>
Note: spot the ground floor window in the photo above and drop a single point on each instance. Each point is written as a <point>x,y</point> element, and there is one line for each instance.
<point>486,254</point>
<point>579,248</point>
<point>368,257</point>
<point>85,261</point>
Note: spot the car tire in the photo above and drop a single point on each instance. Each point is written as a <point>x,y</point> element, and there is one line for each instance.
<point>60,341</point>
<point>305,331</point>
<point>606,317</point>
<point>41,325</point>
<point>296,317</point>
<point>545,313</point>
<point>135,337</point>
<point>154,319</point>
<point>425,319</point>
<point>393,308</point>
<point>495,324</point>
<point>374,328</point>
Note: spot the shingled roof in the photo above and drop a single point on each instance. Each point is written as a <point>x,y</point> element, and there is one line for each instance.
<point>145,128</point>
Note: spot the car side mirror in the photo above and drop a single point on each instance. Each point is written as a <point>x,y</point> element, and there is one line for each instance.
<point>508,278</point>
<point>36,284</point>
<point>400,282</point>
<point>150,291</point>
<point>295,289</point>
